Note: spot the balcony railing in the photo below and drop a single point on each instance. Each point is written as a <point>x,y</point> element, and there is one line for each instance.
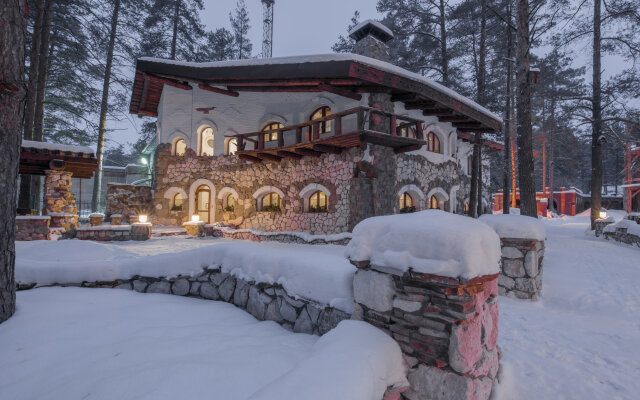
<point>332,133</point>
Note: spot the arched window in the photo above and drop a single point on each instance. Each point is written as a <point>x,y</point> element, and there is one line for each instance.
<point>325,126</point>
<point>206,142</point>
<point>230,202</point>
<point>179,147</point>
<point>406,203</point>
<point>232,147</point>
<point>318,202</point>
<point>433,202</point>
<point>271,202</point>
<point>176,202</point>
<point>271,136</point>
<point>433,143</point>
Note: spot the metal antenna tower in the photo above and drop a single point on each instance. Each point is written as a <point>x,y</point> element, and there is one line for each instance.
<point>267,33</point>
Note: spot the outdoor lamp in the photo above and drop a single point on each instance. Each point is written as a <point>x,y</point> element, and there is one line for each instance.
<point>144,161</point>
<point>603,214</point>
<point>142,218</point>
<point>195,218</point>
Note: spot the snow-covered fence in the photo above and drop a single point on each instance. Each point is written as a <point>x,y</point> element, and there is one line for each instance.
<point>429,279</point>
<point>523,246</point>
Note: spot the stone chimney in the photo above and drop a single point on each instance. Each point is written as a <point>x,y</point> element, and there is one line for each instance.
<point>371,38</point>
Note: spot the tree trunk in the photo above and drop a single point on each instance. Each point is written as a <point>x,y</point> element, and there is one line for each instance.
<point>174,38</point>
<point>443,44</point>
<point>473,195</point>
<point>480,183</point>
<point>482,72</point>
<point>12,98</point>
<point>97,182</point>
<point>24,198</point>
<point>596,112</point>
<point>506,189</point>
<point>525,136</point>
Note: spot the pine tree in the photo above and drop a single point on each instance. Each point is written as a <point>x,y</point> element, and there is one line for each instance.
<point>240,27</point>
<point>345,44</point>
<point>218,46</point>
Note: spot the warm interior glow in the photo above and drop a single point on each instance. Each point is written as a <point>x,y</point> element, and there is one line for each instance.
<point>195,218</point>
<point>142,218</point>
<point>603,214</point>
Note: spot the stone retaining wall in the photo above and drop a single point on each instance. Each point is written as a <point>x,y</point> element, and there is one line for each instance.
<point>447,329</point>
<point>521,275</point>
<point>108,233</point>
<point>621,234</point>
<point>266,302</point>
<point>32,228</point>
<point>284,237</point>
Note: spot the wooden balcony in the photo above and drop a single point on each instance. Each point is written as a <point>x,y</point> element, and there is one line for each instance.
<point>332,134</point>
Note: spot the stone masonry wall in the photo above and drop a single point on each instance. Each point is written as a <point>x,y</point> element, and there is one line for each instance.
<point>128,200</point>
<point>447,329</point>
<point>58,200</point>
<point>32,228</point>
<point>266,302</point>
<point>119,233</point>
<point>362,183</point>
<point>521,275</point>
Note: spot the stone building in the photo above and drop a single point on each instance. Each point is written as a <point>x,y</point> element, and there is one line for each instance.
<point>309,143</point>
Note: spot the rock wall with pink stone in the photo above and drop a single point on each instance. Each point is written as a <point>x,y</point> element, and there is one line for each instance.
<point>32,228</point>
<point>446,328</point>
<point>362,183</point>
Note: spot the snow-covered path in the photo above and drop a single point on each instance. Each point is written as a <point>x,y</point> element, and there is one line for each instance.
<point>582,340</point>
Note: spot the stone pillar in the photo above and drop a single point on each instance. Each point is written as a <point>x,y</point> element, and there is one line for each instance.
<point>446,328</point>
<point>194,228</point>
<point>521,275</point>
<point>59,203</point>
<point>141,231</point>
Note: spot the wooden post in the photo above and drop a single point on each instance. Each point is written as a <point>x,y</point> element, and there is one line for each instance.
<point>280,138</point>
<point>419,134</point>
<point>338,130</point>
<point>240,143</point>
<point>261,141</point>
<point>316,130</point>
<point>360,119</point>
<point>393,125</point>
<point>298,135</point>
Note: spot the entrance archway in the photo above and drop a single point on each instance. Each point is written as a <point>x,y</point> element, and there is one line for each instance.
<point>203,202</point>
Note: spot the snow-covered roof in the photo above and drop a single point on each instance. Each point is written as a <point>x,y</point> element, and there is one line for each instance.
<point>57,147</point>
<point>318,58</point>
<point>431,242</point>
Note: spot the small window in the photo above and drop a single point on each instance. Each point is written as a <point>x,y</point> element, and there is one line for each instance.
<point>177,202</point>
<point>433,202</point>
<point>318,202</point>
<point>433,143</point>
<point>407,131</point>
<point>406,203</point>
<point>206,142</point>
<point>322,112</point>
<point>230,202</point>
<point>271,136</point>
<point>232,147</point>
<point>271,202</point>
<point>180,147</point>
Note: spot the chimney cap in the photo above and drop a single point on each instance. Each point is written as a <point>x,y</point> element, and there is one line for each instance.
<point>373,28</point>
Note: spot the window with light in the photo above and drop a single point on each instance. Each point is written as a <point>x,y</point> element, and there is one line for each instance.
<point>180,147</point>
<point>206,142</point>
<point>271,202</point>
<point>322,112</point>
<point>318,202</point>
<point>271,136</point>
<point>433,143</point>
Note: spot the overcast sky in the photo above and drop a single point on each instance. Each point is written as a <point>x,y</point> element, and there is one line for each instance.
<point>300,26</point>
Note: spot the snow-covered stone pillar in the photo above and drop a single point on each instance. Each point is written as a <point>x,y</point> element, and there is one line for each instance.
<point>59,203</point>
<point>523,242</point>
<point>429,279</point>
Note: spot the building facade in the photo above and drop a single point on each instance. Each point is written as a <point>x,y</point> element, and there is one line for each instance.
<point>312,144</point>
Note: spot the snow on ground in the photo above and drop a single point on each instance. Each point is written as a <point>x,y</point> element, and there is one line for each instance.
<point>315,272</point>
<point>72,343</point>
<point>582,340</point>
